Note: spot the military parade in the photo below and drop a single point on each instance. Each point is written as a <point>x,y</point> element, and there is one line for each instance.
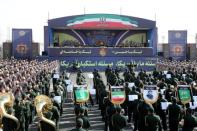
<point>93,65</point>
<point>151,101</point>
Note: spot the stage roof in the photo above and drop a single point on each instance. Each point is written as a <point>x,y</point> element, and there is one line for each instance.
<point>101,22</point>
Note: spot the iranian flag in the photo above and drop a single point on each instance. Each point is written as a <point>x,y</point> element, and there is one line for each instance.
<point>118,96</point>
<point>97,21</point>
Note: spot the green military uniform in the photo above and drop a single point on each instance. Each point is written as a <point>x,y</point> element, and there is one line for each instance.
<point>80,79</point>
<point>113,79</point>
<point>190,121</point>
<point>19,114</point>
<point>86,122</point>
<point>153,122</point>
<point>27,113</point>
<point>143,109</point>
<point>79,124</point>
<point>55,116</point>
<point>174,111</point>
<point>118,120</point>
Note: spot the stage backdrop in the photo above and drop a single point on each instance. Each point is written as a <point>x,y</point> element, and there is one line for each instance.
<point>22,43</point>
<point>177,40</point>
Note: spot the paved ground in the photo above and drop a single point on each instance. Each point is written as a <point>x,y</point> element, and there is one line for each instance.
<point>67,120</point>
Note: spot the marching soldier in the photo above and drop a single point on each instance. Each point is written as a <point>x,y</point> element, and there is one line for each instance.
<point>86,122</point>
<point>189,121</point>
<point>143,109</point>
<point>110,110</point>
<point>57,92</point>
<point>27,105</point>
<point>161,112</point>
<point>44,126</point>
<point>80,78</point>
<point>79,124</point>
<point>113,79</point>
<point>19,113</point>
<point>118,121</point>
<point>152,121</point>
<point>108,72</point>
<point>132,104</point>
<point>174,112</point>
<point>103,93</point>
<point>55,116</point>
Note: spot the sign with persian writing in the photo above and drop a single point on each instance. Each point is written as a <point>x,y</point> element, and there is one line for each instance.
<point>184,93</point>
<point>88,51</point>
<point>81,95</point>
<point>90,63</point>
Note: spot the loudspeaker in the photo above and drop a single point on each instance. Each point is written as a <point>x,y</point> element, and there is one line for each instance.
<point>7,50</point>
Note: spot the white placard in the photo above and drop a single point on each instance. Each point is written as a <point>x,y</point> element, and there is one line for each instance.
<point>90,76</point>
<point>68,75</point>
<point>68,82</point>
<point>131,84</point>
<point>116,86</point>
<point>193,105</point>
<point>195,98</point>
<point>57,76</point>
<point>91,87</point>
<point>70,88</point>
<point>57,99</point>
<point>92,91</point>
<point>183,75</point>
<point>141,90</point>
<point>133,97</point>
<point>165,72</point>
<point>162,91</point>
<point>164,105</point>
<point>168,76</point>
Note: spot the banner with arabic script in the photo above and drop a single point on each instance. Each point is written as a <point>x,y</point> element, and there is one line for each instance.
<point>22,43</point>
<point>90,63</point>
<point>127,52</point>
<point>184,93</point>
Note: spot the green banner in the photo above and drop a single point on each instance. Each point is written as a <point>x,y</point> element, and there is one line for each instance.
<point>184,95</point>
<point>82,95</point>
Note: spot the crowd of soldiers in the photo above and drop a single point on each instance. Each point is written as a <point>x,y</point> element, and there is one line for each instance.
<point>146,116</point>
<point>25,80</point>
